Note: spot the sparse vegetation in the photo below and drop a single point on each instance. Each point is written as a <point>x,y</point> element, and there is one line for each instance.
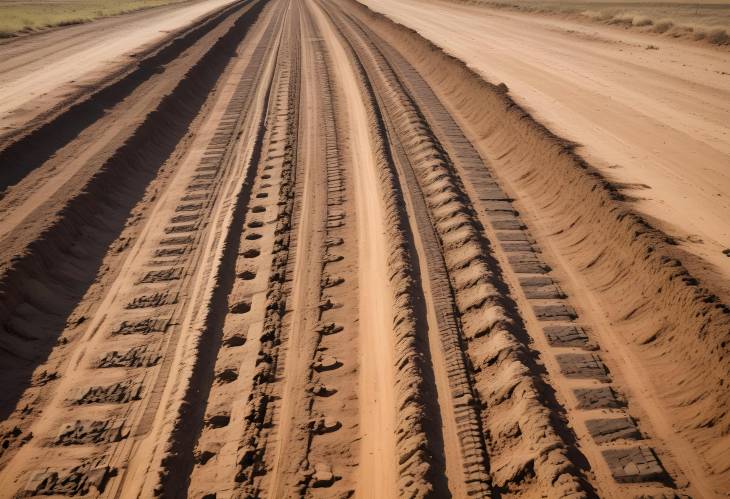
<point>23,16</point>
<point>663,26</point>
<point>718,37</point>
<point>708,21</point>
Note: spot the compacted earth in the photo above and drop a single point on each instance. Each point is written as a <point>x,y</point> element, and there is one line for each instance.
<point>291,248</point>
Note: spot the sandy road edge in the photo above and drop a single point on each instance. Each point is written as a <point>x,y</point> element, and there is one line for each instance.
<point>23,34</point>
<point>144,56</point>
<point>680,328</point>
<point>202,347</point>
<point>708,36</point>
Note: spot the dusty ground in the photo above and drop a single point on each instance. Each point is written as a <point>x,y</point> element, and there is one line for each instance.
<point>293,249</point>
<point>704,22</point>
<point>655,121</point>
<point>76,57</point>
<point>20,17</point>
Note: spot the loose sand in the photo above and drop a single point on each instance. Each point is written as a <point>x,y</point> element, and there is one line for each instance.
<point>298,250</point>
<point>655,121</point>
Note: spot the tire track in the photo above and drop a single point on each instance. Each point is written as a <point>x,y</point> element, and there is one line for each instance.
<point>482,308</point>
<point>318,449</point>
<point>43,281</point>
<point>458,404</point>
<point>612,435</point>
<point>254,300</point>
<point>269,338</point>
<point>147,317</point>
<point>311,313</point>
<point>286,454</point>
<point>416,447</point>
<point>376,307</point>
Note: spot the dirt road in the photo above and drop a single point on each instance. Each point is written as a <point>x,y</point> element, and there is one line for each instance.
<point>43,71</point>
<point>654,120</point>
<point>292,258</point>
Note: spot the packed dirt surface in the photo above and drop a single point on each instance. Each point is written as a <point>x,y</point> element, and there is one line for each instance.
<point>296,250</point>
<point>38,72</point>
<point>651,114</point>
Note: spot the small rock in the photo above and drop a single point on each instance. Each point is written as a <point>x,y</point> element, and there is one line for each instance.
<point>329,328</point>
<point>227,375</point>
<point>326,363</point>
<point>323,476</point>
<point>323,391</point>
<point>218,420</point>
<point>326,425</point>
<point>235,341</point>
<point>240,307</point>
<point>327,304</point>
<point>205,456</point>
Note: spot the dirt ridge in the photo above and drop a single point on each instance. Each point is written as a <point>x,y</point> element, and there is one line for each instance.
<point>98,214</point>
<point>681,317</point>
<point>481,302</point>
<point>413,443</point>
<point>21,152</point>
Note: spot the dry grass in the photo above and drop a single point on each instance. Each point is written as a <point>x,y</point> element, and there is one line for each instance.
<point>22,16</point>
<point>709,21</point>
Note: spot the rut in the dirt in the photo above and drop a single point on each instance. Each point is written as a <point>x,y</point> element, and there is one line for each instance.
<point>42,285</point>
<point>308,271</point>
<point>159,297</point>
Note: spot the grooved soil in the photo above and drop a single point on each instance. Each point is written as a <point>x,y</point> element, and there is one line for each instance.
<point>296,250</point>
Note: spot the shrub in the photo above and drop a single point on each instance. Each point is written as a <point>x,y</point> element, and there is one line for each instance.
<point>663,26</point>
<point>642,21</point>
<point>718,37</point>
